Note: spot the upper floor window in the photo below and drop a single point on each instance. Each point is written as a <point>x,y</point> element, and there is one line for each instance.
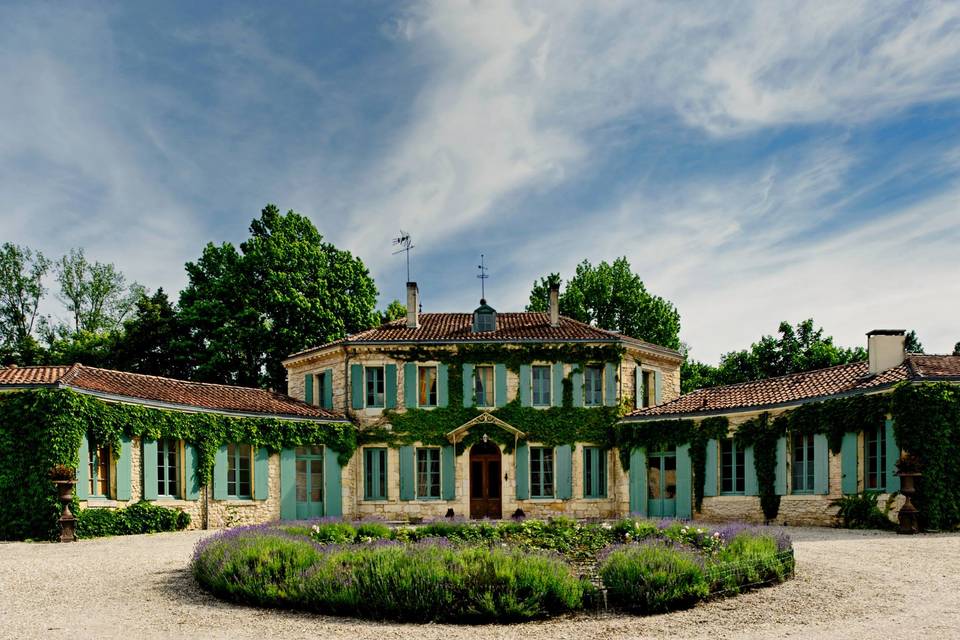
<point>321,391</point>
<point>99,465</point>
<point>802,445</point>
<point>875,460</point>
<point>238,470</point>
<point>483,386</point>
<point>168,468</point>
<point>375,386</point>
<point>541,472</point>
<point>428,473</point>
<point>593,386</point>
<point>646,389</point>
<point>427,387</point>
<point>541,386</point>
<point>731,467</point>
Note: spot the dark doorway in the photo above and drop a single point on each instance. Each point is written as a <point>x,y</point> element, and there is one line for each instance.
<point>485,469</point>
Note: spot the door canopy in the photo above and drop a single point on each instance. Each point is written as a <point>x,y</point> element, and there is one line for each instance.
<point>485,418</point>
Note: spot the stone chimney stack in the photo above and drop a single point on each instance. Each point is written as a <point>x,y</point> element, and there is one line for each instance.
<point>885,349</point>
<point>413,306</point>
<point>554,305</point>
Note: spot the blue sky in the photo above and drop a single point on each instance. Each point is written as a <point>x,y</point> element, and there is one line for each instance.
<point>754,161</point>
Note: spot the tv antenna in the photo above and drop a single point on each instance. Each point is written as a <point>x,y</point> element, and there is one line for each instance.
<point>483,277</point>
<point>406,243</point>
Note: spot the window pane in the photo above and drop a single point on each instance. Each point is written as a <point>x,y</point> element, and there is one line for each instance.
<point>738,471</point>
<point>541,386</point>
<point>483,386</point>
<point>375,386</point>
<point>588,472</point>
<point>593,386</point>
<point>653,477</point>
<point>316,480</point>
<point>548,472</point>
<point>428,387</point>
<point>244,456</point>
<point>301,480</point>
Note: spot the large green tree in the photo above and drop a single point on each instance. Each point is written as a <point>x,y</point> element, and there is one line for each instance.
<point>283,291</point>
<point>154,340</point>
<point>95,294</point>
<point>798,348</point>
<point>612,296</point>
<point>21,288</point>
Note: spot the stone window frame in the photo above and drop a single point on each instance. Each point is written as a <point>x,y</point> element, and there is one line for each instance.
<point>94,462</point>
<point>234,470</point>
<point>367,404</point>
<point>548,388</point>
<point>436,386</point>
<point>879,453</point>
<point>598,476</point>
<point>493,386</point>
<point>166,446</point>
<point>377,477</point>
<point>431,452</point>
<point>595,394</point>
<point>807,463</point>
<point>538,463</point>
<point>738,466</point>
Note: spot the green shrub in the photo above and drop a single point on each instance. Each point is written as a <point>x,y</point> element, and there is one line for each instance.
<point>860,511</point>
<point>333,533</point>
<point>653,578</point>
<point>748,559</point>
<point>419,582</point>
<point>141,517</point>
<point>369,531</point>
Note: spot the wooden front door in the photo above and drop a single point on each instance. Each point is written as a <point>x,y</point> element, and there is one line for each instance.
<point>485,469</point>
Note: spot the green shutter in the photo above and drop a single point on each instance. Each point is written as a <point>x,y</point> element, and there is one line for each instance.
<point>657,387</point>
<point>638,482</point>
<point>261,473</point>
<point>406,473</point>
<point>83,469</point>
<point>750,487</point>
<point>577,379</point>
<point>780,474</point>
<point>610,384</point>
<point>149,469</point>
<point>448,471</point>
<point>327,389</point>
<point>443,385</point>
<point>848,464</point>
<point>288,484</point>
<point>124,473</point>
<point>500,384</point>
<point>390,379</point>
<point>684,483</point>
<point>821,464</point>
<point>308,388</point>
<point>468,385</point>
<point>526,385</point>
<point>564,471</point>
<point>220,468</point>
<point>638,387</point>
<point>893,454</point>
<point>710,470</point>
<point>191,467</point>
<point>332,480</point>
<point>410,385</point>
<point>556,395</point>
<point>356,386</point>
<point>522,465</point>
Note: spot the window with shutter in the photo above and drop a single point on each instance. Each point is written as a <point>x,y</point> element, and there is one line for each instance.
<point>541,472</point>
<point>375,473</point>
<point>732,478</point>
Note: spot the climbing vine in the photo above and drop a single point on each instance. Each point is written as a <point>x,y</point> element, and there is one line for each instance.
<point>762,434</point>
<point>43,428</point>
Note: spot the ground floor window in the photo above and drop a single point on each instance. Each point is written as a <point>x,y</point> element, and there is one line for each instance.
<point>802,445</point>
<point>731,467</point>
<point>541,472</point>
<point>375,474</point>
<point>168,468</point>
<point>875,459</point>
<point>594,472</point>
<point>428,473</point>
<point>99,465</point>
<point>238,470</point>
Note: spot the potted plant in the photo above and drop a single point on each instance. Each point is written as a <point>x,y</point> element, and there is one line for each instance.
<point>64,478</point>
<point>908,470</point>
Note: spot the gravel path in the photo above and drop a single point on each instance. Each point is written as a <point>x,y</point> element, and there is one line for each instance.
<point>848,585</point>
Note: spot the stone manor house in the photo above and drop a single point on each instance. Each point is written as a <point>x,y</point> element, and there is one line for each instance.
<point>486,363</point>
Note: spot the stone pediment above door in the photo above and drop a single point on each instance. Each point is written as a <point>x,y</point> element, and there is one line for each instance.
<point>485,418</point>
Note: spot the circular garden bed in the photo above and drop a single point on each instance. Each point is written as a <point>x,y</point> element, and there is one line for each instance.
<point>484,572</point>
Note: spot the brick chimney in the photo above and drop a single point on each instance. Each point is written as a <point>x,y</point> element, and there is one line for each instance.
<point>413,306</point>
<point>885,349</point>
<point>554,305</point>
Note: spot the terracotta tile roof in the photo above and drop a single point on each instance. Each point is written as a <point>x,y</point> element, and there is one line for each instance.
<point>154,389</point>
<point>842,379</point>
<point>457,328</point>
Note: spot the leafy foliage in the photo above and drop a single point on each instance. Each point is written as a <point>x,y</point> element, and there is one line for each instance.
<point>142,517</point>
<point>286,289</point>
<point>430,581</point>
<point>43,428</point>
<point>394,311</point>
<point>653,578</point>
<point>762,434</point>
<point>155,340</point>
<point>612,296</point>
<point>21,288</point>
<point>95,294</point>
<point>860,511</point>
<point>796,349</point>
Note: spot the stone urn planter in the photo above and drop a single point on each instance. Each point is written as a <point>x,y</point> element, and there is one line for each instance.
<point>908,470</point>
<point>64,479</point>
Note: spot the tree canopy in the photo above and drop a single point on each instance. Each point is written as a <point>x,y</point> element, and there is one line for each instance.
<point>21,289</point>
<point>612,296</point>
<point>795,349</point>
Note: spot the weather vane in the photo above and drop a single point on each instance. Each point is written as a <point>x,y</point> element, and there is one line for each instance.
<point>483,277</point>
<point>406,243</point>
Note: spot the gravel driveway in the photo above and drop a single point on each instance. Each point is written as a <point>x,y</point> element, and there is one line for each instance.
<point>848,585</point>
